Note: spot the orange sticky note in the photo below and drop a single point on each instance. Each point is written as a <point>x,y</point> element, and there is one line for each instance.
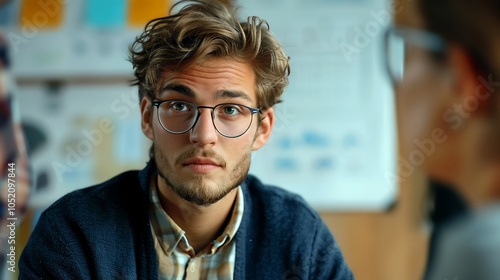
<point>142,11</point>
<point>41,14</point>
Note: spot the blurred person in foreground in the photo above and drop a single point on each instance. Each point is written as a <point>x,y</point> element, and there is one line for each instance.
<point>448,103</point>
<point>207,87</point>
<point>13,162</point>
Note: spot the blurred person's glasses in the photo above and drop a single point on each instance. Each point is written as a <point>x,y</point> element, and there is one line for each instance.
<point>229,119</point>
<point>399,42</point>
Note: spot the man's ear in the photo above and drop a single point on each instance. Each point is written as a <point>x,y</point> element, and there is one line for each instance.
<point>264,130</point>
<point>147,117</point>
<point>465,79</point>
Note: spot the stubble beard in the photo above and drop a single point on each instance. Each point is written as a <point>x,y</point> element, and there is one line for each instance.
<point>195,190</point>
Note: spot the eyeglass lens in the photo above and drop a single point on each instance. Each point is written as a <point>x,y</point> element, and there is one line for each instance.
<point>229,119</point>
<point>395,55</point>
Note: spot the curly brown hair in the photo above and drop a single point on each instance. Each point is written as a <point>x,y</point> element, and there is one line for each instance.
<point>202,29</point>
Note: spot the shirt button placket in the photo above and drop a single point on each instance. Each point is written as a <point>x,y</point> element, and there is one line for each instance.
<point>191,270</point>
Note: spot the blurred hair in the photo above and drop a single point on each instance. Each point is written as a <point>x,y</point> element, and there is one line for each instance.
<point>204,29</point>
<point>471,24</point>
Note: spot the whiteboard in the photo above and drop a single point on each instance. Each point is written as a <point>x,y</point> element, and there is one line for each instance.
<point>334,139</point>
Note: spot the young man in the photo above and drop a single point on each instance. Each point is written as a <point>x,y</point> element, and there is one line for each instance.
<point>207,87</point>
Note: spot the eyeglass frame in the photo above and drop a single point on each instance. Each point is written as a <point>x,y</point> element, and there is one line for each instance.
<point>253,111</point>
<point>422,38</point>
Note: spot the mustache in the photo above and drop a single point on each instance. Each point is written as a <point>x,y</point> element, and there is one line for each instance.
<point>189,154</point>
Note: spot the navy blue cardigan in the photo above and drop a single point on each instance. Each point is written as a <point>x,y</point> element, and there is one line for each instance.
<point>103,232</point>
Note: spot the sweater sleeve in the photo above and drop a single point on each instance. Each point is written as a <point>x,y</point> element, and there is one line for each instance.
<point>327,261</point>
<point>48,255</point>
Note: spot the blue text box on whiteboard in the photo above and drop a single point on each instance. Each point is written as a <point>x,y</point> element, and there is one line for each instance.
<point>334,138</point>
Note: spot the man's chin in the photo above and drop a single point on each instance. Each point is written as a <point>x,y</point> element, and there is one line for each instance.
<point>204,197</point>
<point>196,180</point>
<point>201,190</point>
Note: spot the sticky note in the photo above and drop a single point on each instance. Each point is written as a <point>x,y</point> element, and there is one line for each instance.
<point>41,14</point>
<point>141,12</point>
<point>106,13</point>
<point>7,14</point>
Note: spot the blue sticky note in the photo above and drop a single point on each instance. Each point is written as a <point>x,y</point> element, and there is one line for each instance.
<point>8,14</point>
<point>106,13</point>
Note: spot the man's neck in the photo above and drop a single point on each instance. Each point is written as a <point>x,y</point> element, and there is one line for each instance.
<point>202,224</point>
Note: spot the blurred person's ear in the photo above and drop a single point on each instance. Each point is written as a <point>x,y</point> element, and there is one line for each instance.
<point>473,94</point>
<point>147,117</point>
<point>466,80</point>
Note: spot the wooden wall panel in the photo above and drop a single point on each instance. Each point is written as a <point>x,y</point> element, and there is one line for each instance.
<point>388,245</point>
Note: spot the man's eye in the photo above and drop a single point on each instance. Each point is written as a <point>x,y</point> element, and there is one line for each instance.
<point>179,106</point>
<point>230,110</point>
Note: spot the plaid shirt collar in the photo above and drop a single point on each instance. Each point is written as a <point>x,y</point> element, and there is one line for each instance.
<point>172,237</point>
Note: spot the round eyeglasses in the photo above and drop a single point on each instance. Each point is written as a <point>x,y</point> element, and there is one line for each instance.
<point>229,119</point>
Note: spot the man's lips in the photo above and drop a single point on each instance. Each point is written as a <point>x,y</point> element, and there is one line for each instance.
<point>200,160</point>
<point>201,165</point>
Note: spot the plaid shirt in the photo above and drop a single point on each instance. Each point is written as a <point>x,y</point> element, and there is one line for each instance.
<point>177,259</point>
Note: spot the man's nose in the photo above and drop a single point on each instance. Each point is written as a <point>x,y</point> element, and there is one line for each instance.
<point>203,132</point>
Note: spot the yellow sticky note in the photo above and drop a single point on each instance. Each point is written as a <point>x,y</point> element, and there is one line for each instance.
<point>142,11</point>
<point>41,14</point>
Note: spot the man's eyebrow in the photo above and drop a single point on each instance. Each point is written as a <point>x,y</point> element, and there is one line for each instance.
<point>233,94</point>
<point>182,89</point>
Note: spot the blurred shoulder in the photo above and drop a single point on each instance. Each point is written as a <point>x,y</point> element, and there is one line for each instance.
<point>469,248</point>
